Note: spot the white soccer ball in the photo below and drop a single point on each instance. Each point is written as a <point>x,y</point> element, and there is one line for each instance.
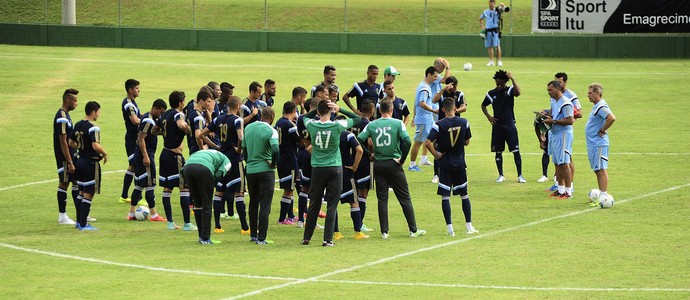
<point>142,213</point>
<point>467,67</point>
<point>594,194</point>
<point>606,201</point>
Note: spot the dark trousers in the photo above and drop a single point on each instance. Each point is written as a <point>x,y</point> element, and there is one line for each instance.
<point>388,173</point>
<point>260,187</point>
<point>201,183</point>
<point>329,179</point>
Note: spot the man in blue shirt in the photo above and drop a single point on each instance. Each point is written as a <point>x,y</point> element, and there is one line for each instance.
<point>561,138</point>
<point>423,114</point>
<point>493,38</point>
<point>600,120</point>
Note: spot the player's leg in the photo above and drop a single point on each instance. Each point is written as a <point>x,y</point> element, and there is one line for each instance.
<point>419,138</point>
<point>334,187</point>
<point>90,181</point>
<point>184,197</point>
<point>397,180</point>
<point>266,190</point>
<point>382,184</point>
<point>460,188</point>
<point>63,183</point>
<point>238,187</point>
<point>498,54</point>
<point>253,189</point>
<point>168,179</point>
<point>514,147</point>
<point>130,147</point>
<point>363,183</point>
<point>218,205</point>
<point>444,190</point>
<point>498,142</point>
<point>285,177</point>
<point>318,184</point>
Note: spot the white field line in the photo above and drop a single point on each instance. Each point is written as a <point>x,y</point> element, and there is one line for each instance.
<point>91,60</point>
<point>47,181</point>
<point>471,154</point>
<point>318,278</point>
<point>489,234</point>
<point>149,268</point>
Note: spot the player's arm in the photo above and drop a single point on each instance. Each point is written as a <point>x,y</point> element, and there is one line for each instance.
<point>141,142</point>
<point>610,118</point>
<point>516,87</point>
<point>463,106</point>
<point>182,125</point>
<point>352,115</point>
<point>446,66</point>
<point>489,117</point>
<point>424,105</point>
<point>254,111</point>
<point>134,119</point>
<point>430,146</point>
<point>204,133</point>
<point>98,148</point>
<point>359,152</point>
<point>439,95</point>
<point>405,148</point>
<point>240,137</point>
<point>64,147</point>
<point>346,99</point>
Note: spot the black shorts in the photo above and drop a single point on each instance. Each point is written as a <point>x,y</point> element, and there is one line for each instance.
<point>144,176</point>
<point>88,175</point>
<point>286,174</point>
<point>170,164</point>
<point>502,135</point>
<point>233,182</point>
<point>130,148</point>
<point>363,175</point>
<point>63,174</point>
<point>452,179</point>
<point>349,187</point>
<point>304,160</point>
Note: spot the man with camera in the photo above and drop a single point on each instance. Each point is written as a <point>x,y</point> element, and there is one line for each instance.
<point>492,30</point>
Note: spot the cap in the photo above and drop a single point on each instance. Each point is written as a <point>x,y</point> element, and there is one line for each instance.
<point>390,70</point>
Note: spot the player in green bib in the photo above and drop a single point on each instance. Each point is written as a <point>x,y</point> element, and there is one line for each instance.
<point>386,134</point>
<point>261,147</point>
<point>201,171</point>
<point>327,172</point>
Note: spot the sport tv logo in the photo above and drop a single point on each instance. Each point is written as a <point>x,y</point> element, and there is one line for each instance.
<point>550,14</point>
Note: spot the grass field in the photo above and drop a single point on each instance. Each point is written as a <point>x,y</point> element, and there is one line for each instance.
<point>443,16</point>
<point>529,245</point>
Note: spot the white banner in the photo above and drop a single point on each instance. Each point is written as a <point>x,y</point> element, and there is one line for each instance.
<point>610,16</point>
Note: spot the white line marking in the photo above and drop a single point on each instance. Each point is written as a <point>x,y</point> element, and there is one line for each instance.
<point>387,259</point>
<point>157,269</point>
<point>295,281</point>
<point>47,181</point>
<point>501,287</point>
<point>284,67</point>
<point>583,153</point>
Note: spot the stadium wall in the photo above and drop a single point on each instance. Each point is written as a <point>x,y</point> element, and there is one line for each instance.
<point>578,46</point>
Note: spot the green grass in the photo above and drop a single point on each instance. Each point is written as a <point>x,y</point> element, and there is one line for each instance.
<point>527,241</point>
<point>402,16</point>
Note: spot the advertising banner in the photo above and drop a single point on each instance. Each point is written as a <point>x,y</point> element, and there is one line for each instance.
<point>611,16</point>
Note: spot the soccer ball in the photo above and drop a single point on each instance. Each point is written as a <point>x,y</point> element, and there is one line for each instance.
<point>606,201</point>
<point>467,67</point>
<point>594,194</point>
<point>142,213</point>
